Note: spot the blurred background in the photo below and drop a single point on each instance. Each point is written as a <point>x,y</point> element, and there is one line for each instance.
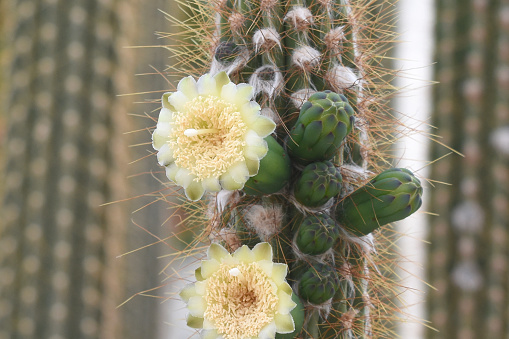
<point>79,80</point>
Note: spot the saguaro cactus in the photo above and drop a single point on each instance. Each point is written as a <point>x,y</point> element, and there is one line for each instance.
<point>297,81</point>
<point>468,251</point>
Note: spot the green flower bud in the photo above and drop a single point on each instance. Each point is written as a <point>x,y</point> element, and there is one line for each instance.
<point>318,182</point>
<point>318,283</point>
<point>324,122</point>
<point>317,234</point>
<point>390,196</point>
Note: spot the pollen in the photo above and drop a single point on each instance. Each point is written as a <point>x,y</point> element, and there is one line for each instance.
<point>241,304</point>
<point>208,137</point>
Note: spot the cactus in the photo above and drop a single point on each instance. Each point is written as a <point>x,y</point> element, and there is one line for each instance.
<point>468,241</point>
<point>310,67</point>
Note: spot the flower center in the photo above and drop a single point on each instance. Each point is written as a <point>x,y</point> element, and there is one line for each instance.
<point>240,300</point>
<point>208,137</point>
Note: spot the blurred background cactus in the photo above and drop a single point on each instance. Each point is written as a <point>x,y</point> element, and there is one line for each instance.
<point>468,258</point>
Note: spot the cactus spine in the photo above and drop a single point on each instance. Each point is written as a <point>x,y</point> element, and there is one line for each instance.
<point>468,252</point>
<point>312,67</point>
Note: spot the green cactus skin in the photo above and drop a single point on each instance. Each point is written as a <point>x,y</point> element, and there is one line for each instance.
<point>274,173</point>
<point>391,196</point>
<point>317,234</point>
<point>318,183</point>
<point>318,282</point>
<point>324,122</point>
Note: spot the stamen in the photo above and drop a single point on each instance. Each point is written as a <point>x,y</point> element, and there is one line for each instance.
<point>191,132</point>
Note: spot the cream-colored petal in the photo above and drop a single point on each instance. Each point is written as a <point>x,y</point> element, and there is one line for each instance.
<point>171,171</point>
<point>244,254</point>
<point>209,267</point>
<point>158,140</point>
<point>268,331</point>
<point>221,80</point>
<point>253,139</point>
<point>187,292</point>
<point>279,272</point>
<point>244,93</point>
<point>266,266</point>
<point>211,334</point>
<point>239,172</point>
<point>207,85</point>
<point>165,155</point>
<point>196,306</point>
<point>208,325</point>
<point>165,103</point>
<point>263,126</point>
<point>211,184</point>
<point>188,87</point>
<point>164,128</point>
<point>263,251</point>
<point>200,287</point>
<point>228,183</point>
<point>217,252</point>
<point>229,93</point>
<point>285,287</point>
<point>165,115</point>
<point>184,177</point>
<point>194,191</point>
<point>284,323</point>
<point>256,152</point>
<point>197,274</point>
<point>178,100</point>
<point>253,166</point>
<point>194,322</point>
<point>285,304</point>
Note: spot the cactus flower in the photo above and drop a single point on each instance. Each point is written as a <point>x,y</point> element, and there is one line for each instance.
<point>210,135</point>
<point>240,295</point>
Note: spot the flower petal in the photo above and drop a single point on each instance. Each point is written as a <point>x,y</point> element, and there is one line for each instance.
<point>244,93</point>
<point>279,272</point>
<point>239,172</point>
<point>229,93</point>
<point>194,322</point>
<point>217,252</point>
<point>228,183</point>
<point>263,251</point>
<point>207,85</point>
<point>184,177</point>
<point>266,266</point>
<point>197,274</point>
<point>200,287</point>
<point>158,139</point>
<point>263,126</point>
<point>209,267</point>
<point>165,115</point>
<point>285,288</point>
<point>221,80</point>
<point>187,292</point>
<point>178,100</point>
<point>165,103</point>
<point>210,334</point>
<point>188,87</point>
<point>165,155</point>
<point>208,325</point>
<point>253,166</point>
<point>171,171</point>
<point>194,191</point>
<point>268,332</point>
<point>285,304</point>
<point>196,306</point>
<point>284,323</point>
<point>244,254</point>
<point>211,184</point>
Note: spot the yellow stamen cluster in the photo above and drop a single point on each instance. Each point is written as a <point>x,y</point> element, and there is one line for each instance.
<point>208,154</point>
<point>240,300</point>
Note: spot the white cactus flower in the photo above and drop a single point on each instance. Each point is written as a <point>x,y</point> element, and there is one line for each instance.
<point>210,135</point>
<point>243,295</point>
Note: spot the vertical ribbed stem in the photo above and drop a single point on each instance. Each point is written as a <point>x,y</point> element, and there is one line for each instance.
<point>59,167</point>
<point>467,261</point>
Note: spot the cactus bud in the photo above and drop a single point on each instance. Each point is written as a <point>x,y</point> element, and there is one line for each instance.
<point>317,234</point>
<point>324,122</point>
<point>319,182</point>
<point>390,196</point>
<point>318,283</point>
